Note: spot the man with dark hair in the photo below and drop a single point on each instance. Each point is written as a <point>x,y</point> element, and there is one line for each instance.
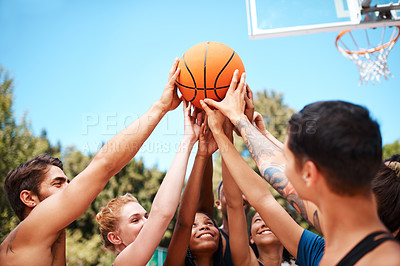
<point>333,151</point>
<point>46,202</point>
<point>27,180</point>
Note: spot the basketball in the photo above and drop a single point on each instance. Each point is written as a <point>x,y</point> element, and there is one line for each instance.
<point>206,71</point>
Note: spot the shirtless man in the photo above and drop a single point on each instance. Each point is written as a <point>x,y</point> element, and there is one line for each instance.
<point>46,202</point>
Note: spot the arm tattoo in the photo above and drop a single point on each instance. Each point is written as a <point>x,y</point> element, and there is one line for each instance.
<point>277,179</point>
<point>259,148</point>
<point>316,223</point>
<point>9,247</point>
<point>262,150</point>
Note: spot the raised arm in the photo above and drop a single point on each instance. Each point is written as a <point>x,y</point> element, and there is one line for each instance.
<point>255,189</point>
<point>206,201</point>
<point>70,203</point>
<point>189,203</point>
<point>241,251</point>
<point>264,149</point>
<point>165,202</point>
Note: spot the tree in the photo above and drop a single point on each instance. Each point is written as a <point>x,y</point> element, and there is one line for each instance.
<point>391,149</point>
<point>17,145</point>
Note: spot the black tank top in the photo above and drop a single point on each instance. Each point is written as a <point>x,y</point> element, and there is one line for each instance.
<point>366,245</point>
<point>227,255</point>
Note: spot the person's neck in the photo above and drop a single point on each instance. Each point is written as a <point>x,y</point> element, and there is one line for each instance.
<point>347,220</point>
<point>270,254</point>
<point>204,259</point>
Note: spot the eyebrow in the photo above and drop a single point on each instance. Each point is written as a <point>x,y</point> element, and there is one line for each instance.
<point>60,178</point>
<point>136,214</point>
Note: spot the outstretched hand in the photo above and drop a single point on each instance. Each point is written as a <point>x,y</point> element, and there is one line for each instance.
<point>192,122</point>
<point>249,108</point>
<point>169,99</point>
<point>207,144</point>
<point>233,105</point>
<point>215,119</point>
<point>258,122</point>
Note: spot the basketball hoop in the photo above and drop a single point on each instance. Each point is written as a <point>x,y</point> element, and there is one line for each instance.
<point>370,59</point>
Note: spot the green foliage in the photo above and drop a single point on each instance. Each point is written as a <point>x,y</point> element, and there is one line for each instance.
<point>17,144</point>
<point>391,149</point>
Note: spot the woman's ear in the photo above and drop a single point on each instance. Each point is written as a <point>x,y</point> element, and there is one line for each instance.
<point>114,238</point>
<point>251,240</point>
<point>218,204</point>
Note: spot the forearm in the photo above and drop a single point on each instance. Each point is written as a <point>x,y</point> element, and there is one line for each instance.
<point>270,161</point>
<point>206,201</point>
<point>259,196</point>
<point>168,195</point>
<point>249,182</point>
<point>186,213</point>
<point>119,150</point>
<point>191,194</point>
<point>237,224</point>
<point>232,192</point>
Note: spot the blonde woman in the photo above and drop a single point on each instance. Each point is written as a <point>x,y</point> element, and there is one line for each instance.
<point>127,229</point>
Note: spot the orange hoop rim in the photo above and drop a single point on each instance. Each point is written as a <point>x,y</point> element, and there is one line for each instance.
<point>368,51</point>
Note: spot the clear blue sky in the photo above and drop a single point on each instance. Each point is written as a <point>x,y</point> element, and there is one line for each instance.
<point>84,69</point>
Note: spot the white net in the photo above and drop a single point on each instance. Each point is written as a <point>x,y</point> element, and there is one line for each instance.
<point>370,59</point>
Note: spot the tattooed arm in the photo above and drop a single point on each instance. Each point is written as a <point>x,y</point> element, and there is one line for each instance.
<point>266,152</point>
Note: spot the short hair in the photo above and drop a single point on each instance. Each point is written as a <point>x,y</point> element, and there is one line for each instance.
<point>342,140</point>
<point>27,176</point>
<point>108,216</point>
<point>386,187</point>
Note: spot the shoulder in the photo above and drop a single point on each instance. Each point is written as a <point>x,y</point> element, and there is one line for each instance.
<point>310,249</point>
<point>388,253</point>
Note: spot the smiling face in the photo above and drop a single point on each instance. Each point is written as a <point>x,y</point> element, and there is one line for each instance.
<point>131,220</point>
<point>54,181</point>
<point>260,233</point>
<point>205,236</point>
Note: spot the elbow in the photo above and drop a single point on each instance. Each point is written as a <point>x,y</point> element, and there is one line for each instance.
<point>107,165</point>
<point>163,213</point>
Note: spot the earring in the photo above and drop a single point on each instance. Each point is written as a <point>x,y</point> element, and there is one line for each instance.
<point>304,178</point>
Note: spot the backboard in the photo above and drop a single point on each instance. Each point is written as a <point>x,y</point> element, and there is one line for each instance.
<point>277,18</point>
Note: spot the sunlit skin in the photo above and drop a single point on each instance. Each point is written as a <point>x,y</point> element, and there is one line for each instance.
<point>221,205</point>
<point>205,236</point>
<point>131,220</point>
<point>54,181</point>
<point>293,172</point>
<point>260,233</point>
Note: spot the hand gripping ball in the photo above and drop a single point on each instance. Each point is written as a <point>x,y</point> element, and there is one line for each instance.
<point>206,71</point>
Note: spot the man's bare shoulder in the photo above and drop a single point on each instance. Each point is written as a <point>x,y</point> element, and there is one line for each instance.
<point>17,249</point>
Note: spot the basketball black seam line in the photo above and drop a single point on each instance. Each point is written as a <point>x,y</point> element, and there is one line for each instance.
<point>202,89</point>
<point>215,83</point>
<point>194,81</point>
<point>205,70</point>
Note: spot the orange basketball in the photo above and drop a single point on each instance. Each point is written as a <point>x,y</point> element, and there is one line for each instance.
<point>206,71</point>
